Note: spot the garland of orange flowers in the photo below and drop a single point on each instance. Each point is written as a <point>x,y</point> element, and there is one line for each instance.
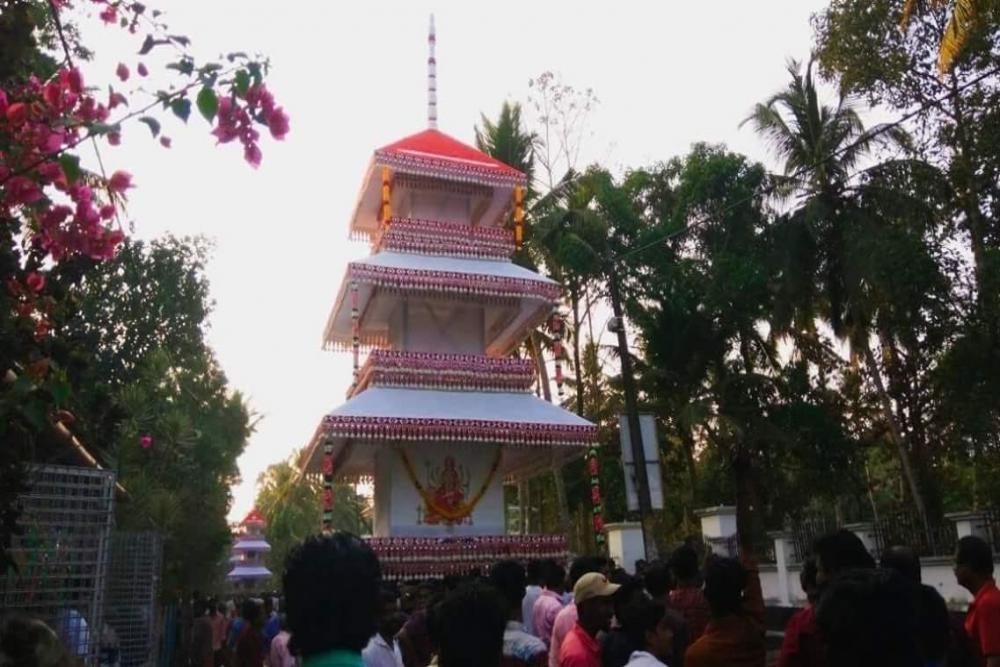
<point>464,509</point>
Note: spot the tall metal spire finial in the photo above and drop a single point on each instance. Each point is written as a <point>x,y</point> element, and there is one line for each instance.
<point>432,101</point>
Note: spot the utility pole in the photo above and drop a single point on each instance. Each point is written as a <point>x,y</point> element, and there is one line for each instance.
<point>632,414</point>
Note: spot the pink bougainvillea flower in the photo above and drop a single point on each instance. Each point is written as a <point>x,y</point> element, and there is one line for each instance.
<point>141,69</point>
<point>277,122</point>
<point>120,181</point>
<point>146,441</point>
<point>17,113</point>
<point>4,103</point>
<point>109,14</point>
<point>251,153</point>
<point>122,71</point>
<point>165,142</point>
<point>21,190</point>
<point>35,281</point>
<point>114,138</point>
<point>107,212</point>
<point>74,80</point>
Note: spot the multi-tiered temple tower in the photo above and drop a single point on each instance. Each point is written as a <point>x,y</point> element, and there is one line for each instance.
<point>249,548</point>
<point>440,415</point>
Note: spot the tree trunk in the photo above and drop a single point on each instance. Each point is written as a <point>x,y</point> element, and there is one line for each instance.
<point>897,437</point>
<point>543,378</point>
<point>543,372</point>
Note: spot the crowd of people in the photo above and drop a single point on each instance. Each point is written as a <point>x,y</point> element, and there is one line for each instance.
<point>336,611</point>
<point>682,611</point>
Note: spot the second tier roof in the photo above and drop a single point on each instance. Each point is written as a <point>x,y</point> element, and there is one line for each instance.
<point>516,298</point>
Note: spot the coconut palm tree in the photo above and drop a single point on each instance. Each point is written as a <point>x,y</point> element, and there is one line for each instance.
<point>822,148</point>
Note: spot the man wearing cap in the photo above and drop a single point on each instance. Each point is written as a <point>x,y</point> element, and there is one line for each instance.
<point>592,596</point>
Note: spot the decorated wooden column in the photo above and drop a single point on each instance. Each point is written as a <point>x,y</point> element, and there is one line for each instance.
<point>327,470</point>
<point>355,333</point>
<point>557,352</point>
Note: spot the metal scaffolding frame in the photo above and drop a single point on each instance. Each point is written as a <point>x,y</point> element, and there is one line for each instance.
<point>62,556</point>
<point>131,594</point>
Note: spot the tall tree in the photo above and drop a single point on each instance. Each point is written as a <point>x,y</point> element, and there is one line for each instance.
<point>954,119</point>
<point>821,146</point>
<point>293,509</point>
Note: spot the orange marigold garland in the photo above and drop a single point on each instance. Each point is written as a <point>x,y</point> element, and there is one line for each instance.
<point>386,196</point>
<point>464,509</point>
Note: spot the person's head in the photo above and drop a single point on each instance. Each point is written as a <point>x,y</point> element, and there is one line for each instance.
<point>553,576</point>
<point>973,563</point>
<point>627,598</point>
<point>250,611</point>
<point>581,566</point>
<point>331,585</point>
<point>725,580</point>
<point>470,622</point>
<point>657,579</point>
<point>903,560</point>
<point>534,572</point>
<point>868,618</point>
<point>593,595</point>
<point>510,580</point>
<point>199,608</point>
<point>650,628</point>
<point>390,619</point>
<point>684,565</point>
<point>838,552</point>
<point>28,641</point>
<point>807,579</point>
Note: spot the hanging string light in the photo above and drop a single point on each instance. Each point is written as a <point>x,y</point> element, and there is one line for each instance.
<point>327,485</point>
<point>557,352</point>
<point>355,332</point>
<point>518,216</point>
<point>386,195</point>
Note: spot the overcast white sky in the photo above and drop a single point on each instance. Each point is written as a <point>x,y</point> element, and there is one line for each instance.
<point>352,77</point>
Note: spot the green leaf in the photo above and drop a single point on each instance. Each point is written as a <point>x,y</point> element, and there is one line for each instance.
<point>147,45</point>
<point>184,66</point>
<point>181,108</point>
<point>242,82</point>
<point>60,390</point>
<point>255,72</point>
<point>208,103</point>
<point>152,124</point>
<point>71,167</point>
<point>101,128</point>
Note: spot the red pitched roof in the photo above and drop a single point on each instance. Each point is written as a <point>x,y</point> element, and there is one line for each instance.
<point>433,146</point>
<point>253,517</point>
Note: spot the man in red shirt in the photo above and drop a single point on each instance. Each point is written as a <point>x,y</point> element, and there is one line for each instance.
<point>594,607</point>
<point>974,572</point>
<point>687,597</point>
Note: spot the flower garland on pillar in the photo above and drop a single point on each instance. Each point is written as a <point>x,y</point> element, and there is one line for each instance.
<point>355,332</point>
<point>518,216</point>
<point>557,351</point>
<point>327,485</point>
<point>386,194</point>
<point>595,495</point>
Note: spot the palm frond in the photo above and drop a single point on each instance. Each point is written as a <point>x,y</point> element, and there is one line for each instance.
<point>956,33</point>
